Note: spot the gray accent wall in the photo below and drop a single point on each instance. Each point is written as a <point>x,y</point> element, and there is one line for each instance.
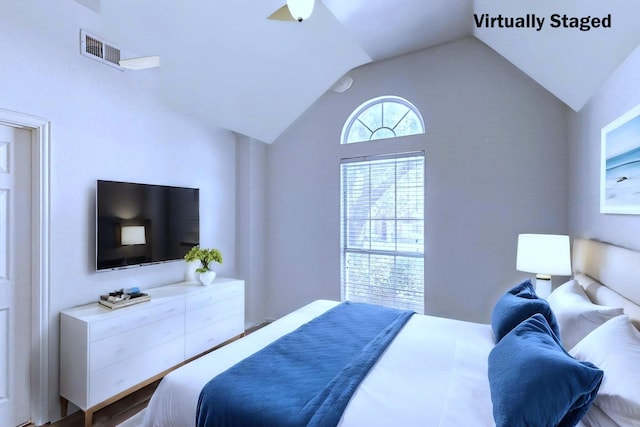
<point>496,156</point>
<point>619,94</point>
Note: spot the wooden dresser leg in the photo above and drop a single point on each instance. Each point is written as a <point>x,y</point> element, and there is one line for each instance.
<point>64,406</point>
<point>88,415</point>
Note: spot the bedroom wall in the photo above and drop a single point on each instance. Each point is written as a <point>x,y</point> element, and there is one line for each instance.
<point>105,124</point>
<point>251,199</point>
<point>619,94</point>
<point>496,157</point>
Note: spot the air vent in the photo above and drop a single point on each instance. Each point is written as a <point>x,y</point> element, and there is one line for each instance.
<point>94,48</point>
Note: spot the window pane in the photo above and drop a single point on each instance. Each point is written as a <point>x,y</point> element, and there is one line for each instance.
<point>383,133</point>
<point>410,236</point>
<point>393,113</point>
<point>372,117</point>
<point>358,132</point>
<point>393,281</point>
<point>383,117</point>
<point>409,283</point>
<point>383,231</point>
<point>383,235</point>
<point>356,272</point>
<point>409,125</point>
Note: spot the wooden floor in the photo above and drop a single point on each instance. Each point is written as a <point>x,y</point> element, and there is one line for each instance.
<point>113,414</point>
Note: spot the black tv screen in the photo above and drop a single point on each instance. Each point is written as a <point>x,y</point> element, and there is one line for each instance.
<point>140,224</point>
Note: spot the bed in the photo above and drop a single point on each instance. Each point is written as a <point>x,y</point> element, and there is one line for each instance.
<point>434,373</point>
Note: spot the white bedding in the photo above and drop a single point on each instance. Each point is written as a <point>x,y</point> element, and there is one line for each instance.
<point>433,374</point>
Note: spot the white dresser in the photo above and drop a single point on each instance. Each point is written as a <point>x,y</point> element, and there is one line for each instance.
<point>106,354</point>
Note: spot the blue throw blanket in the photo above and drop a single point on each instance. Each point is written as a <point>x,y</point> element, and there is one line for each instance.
<point>305,378</point>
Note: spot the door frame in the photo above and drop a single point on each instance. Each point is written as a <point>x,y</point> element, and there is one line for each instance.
<point>40,219</point>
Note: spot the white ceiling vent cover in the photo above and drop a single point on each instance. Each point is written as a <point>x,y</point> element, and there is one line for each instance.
<point>94,48</point>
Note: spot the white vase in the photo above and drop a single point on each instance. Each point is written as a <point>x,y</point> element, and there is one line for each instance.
<point>206,278</point>
<point>190,271</point>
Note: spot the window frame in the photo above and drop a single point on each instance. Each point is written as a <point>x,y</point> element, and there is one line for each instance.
<point>344,227</point>
<point>355,115</point>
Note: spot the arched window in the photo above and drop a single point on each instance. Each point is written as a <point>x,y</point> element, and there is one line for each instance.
<point>382,209</point>
<point>382,117</point>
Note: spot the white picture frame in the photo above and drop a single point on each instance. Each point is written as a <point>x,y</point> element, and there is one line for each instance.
<point>620,165</point>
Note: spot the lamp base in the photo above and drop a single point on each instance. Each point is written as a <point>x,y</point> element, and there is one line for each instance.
<point>543,285</point>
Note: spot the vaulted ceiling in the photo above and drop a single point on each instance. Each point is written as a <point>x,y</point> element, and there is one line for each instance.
<point>226,64</point>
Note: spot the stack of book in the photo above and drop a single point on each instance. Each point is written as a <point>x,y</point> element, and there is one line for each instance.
<point>119,299</point>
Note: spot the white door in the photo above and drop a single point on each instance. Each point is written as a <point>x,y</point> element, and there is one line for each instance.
<point>15,274</point>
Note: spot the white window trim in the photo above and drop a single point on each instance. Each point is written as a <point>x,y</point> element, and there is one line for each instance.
<point>346,129</point>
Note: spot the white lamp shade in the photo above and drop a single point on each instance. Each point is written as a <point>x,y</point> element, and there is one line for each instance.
<point>544,254</point>
<point>133,235</point>
<point>300,9</point>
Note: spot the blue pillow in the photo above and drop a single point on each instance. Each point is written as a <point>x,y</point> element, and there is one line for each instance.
<point>535,382</point>
<point>517,304</point>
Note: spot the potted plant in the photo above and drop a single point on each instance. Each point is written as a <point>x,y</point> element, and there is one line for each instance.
<point>204,258</point>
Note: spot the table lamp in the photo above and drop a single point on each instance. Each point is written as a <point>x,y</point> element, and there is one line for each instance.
<point>546,255</point>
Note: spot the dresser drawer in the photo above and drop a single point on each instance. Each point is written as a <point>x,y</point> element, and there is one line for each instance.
<point>214,313</point>
<point>136,340</point>
<point>116,325</point>
<point>118,377</point>
<point>217,293</point>
<point>206,338</point>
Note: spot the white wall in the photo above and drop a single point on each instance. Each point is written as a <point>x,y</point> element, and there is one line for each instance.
<point>251,242</point>
<point>620,93</point>
<point>105,124</point>
<point>496,156</point>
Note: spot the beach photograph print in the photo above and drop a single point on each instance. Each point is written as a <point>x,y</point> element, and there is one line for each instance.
<point>620,170</point>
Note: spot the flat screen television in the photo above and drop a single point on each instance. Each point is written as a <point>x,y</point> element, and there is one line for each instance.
<point>139,224</point>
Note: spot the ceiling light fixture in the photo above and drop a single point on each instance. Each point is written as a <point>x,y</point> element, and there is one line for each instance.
<point>300,9</point>
<point>294,10</point>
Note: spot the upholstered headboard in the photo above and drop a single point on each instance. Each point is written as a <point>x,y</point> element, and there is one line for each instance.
<point>609,274</point>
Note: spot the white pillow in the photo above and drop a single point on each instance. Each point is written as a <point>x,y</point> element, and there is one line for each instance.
<point>615,348</point>
<point>596,418</point>
<point>576,314</point>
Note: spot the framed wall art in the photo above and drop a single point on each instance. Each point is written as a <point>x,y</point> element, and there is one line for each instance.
<point>620,165</point>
